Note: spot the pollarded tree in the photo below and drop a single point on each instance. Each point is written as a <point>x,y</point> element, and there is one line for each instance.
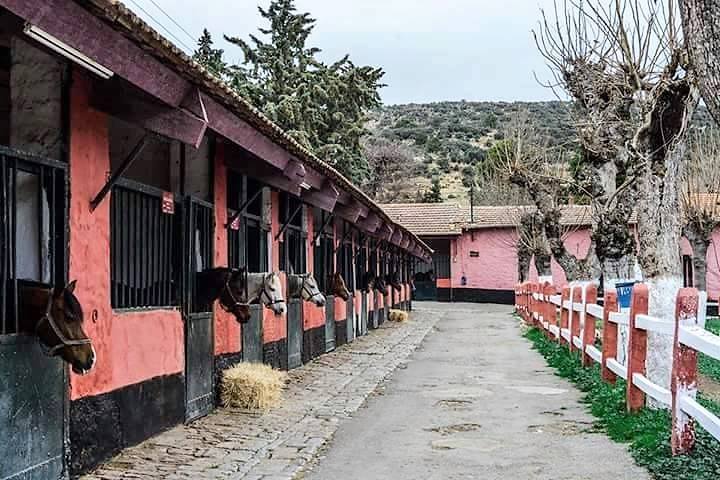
<point>637,49</point>
<point>701,24</point>
<point>700,198</point>
<point>525,161</point>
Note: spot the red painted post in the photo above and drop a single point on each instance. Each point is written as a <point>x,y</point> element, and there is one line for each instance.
<point>563,312</point>
<point>610,335</point>
<point>589,326</point>
<point>550,314</point>
<point>637,348</point>
<point>575,325</point>
<point>684,373</point>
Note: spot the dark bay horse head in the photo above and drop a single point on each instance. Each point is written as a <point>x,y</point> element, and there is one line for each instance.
<point>380,284</point>
<point>305,287</point>
<point>266,289</point>
<point>337,286</point>
<point>368,282</point>
<point>393,279</point>
<point>227,285</point>
<point>56,317</point>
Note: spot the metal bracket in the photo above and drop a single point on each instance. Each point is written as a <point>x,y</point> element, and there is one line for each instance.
<point>322,229</point>
<point>287,222</point>
<point>342,240</point>
<point>240,210</point>
<point>120,171</point>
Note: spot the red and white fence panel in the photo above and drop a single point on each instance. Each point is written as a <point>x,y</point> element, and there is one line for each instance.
<point>569,316</point>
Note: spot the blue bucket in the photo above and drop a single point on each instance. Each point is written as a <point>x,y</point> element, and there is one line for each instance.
<point>624,294</point>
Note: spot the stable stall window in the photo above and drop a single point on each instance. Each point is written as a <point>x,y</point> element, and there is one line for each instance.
<point>345,255</point>
<point>323,248</point>
<point>247,238</point>
<point>293,248</point>
<point>145,220</point>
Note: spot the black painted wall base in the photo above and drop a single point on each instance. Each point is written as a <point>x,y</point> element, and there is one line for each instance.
<point>223,362</point>
<point>340,333</point>
<point>313,343</point>
<point>275,354</point>
<point>477,295</point>
<point>102,425</point>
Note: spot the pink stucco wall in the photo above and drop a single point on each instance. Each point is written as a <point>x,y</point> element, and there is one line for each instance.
<point>495,267</point>
<point>130,347</point>
<point>713,264</point>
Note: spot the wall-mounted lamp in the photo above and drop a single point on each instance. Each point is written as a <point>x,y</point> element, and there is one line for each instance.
<point>67,51</point>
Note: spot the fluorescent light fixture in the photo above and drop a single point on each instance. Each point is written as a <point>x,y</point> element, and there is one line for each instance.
<point>305,186</point>
<point>67,51</point>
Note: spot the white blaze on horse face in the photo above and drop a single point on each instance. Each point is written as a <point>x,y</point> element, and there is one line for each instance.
<point>276,300</point>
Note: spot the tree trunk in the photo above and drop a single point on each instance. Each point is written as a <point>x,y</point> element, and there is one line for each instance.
<point>700,243</point>
<point>524,258</point>
<point>543,265</point>
<point>660,148</point>
<point>701,27</point>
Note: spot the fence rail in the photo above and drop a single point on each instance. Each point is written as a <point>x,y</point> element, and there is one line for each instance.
<point>569,316</point>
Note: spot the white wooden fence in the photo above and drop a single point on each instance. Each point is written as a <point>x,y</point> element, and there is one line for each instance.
<point>563,314</point>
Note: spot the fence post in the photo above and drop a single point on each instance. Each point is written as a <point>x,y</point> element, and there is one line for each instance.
<point>610,335</point>
<point>577,297</point>
<point>564,314</point>
<point>637,349</point>
<point>684,373</point>
<point>588,324</point>
<point>549,314</point>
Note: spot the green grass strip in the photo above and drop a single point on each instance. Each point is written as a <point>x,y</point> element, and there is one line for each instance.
<point>709,366</point>
<point>647,433</point>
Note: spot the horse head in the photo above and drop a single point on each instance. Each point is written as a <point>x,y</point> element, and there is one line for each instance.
<point>394,280</point>
<point>380,284</point>
<point>368,282</point>
<point>338,286</point>
<point>311,291</point>
<point>233,296</point>
<point>271,294</point>
<point>60,328</point>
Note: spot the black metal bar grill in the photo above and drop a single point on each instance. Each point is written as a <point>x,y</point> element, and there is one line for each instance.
<point>201,219</point>
<point>33,208</point>
<point>143,245</point>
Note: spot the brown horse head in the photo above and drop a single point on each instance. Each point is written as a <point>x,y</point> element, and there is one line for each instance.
<point>233,296</point>
<point>393,279</point>
<point>57,318</point>
<point>337,286</point>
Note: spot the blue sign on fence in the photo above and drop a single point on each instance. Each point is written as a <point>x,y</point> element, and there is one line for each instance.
<point>624,294</point>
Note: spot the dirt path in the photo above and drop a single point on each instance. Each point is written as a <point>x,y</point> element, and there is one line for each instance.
<point>473,402</point>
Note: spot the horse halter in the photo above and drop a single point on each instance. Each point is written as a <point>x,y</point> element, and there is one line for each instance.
<point>236,304</point>
<point>304,288</point>
<point>64,341</point>
<point>263,291</point>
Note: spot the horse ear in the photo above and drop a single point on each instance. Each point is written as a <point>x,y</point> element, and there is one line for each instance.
<point>70,288</point>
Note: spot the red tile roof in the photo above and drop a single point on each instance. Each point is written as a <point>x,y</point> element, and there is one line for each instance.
<point>429,219</point>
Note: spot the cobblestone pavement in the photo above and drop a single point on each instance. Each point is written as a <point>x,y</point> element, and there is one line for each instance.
<point>237,444</point>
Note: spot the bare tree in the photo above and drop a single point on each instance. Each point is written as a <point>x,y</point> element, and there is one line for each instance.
<point>388,164</point>
<point>540,171</point>
<point>700,197</point>
<point>701,24</point>
<point>633,50</point>
<point>580,54</point>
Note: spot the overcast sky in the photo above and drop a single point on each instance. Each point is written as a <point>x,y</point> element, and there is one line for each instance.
<point>432,50</point>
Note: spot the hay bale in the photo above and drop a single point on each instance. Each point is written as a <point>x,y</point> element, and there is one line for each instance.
<point>398,316</point>
<point>253,386</point>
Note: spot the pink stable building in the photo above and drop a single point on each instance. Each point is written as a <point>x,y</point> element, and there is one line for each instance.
<point>475,259</point>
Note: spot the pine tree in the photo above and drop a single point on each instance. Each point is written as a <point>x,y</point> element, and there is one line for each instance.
<point>322,106</point>
<point>209,57</point>
<point>434,195</point>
